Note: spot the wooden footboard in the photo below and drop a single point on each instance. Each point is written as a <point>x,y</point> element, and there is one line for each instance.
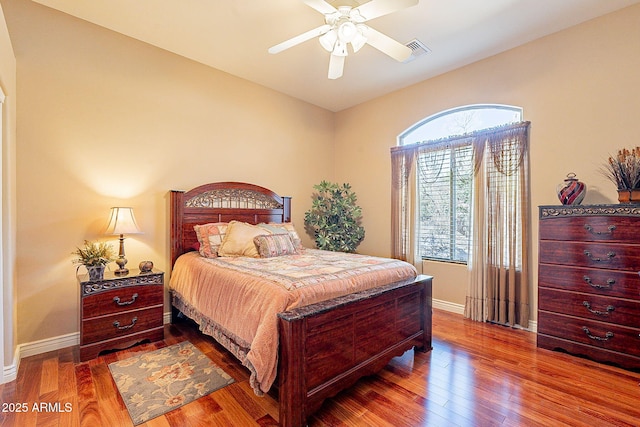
<point>326,347</point>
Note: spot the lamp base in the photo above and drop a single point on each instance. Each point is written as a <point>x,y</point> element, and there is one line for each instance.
<point>121,272</point>
<point>121,261</point>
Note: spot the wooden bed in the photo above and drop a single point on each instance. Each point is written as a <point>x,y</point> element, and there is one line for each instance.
<point>324,347</point>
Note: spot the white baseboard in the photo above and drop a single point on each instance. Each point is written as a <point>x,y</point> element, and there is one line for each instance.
<point>448,306</point>
<point>10,373</point>
<point>459,309</point>
<point>49,344</point>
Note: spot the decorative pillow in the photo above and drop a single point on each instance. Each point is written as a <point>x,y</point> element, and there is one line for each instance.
<point>210,237</point>
<point>272,245</point>
<point>287,227</point>
<point>238,240</point>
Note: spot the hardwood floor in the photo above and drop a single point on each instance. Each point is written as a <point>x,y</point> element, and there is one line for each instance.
<point>476,375</point>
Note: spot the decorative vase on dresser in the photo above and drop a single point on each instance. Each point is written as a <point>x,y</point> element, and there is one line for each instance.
<point>571,191</point>
<point>118,312</point>
<point>589,283</point>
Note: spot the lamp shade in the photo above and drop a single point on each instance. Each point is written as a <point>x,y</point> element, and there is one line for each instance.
<point>122,221</point>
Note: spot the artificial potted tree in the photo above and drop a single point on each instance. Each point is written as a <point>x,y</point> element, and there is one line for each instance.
<point>334,218</point>
<point>94,256</point>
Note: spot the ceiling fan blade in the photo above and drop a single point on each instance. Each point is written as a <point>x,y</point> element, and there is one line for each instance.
<point>377,8</point>
<point>321,6</point>
<point>386,44</point>
<point>336,66</point>
<point>300,38</point>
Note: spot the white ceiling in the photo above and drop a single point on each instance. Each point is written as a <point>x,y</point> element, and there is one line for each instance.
<point>234,35</point>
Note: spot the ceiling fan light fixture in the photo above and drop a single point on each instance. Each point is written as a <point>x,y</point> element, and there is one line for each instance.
<point>344,25</point>
<point>347,31</point>
<point>360,39</point>
<point>328,40</point>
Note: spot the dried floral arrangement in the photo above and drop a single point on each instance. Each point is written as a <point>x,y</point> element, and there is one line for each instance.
<point>624,169</point>
<point>93,254</point>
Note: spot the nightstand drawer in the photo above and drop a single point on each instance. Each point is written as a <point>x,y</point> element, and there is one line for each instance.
<point>121,324</point>
<point>122,299</point>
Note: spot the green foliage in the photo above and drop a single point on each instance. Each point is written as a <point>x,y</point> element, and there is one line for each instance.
<point>93,254</point>
<point>334,218</point>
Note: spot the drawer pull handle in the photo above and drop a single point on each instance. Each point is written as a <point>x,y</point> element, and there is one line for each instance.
<point>133,299</point>
<point>610,255</point>
<point>609,285</point>
<point>610,308</point>
<point>606,337</point>
<point>600,233</point>
<point>116,324</point>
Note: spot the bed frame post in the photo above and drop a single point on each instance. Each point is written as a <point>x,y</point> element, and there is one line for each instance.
<point>286,204</point>
<point>177,213</point>
<point>292,386</point>
<point>426,298</point>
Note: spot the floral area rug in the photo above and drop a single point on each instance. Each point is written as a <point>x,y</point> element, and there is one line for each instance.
<point>154,383</point>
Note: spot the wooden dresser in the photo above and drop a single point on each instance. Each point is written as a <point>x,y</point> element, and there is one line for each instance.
<point>589,282</point>
<point>120,311</point>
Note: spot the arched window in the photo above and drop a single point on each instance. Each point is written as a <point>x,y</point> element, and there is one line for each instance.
<point>460,120</point>
<point>443,229</point>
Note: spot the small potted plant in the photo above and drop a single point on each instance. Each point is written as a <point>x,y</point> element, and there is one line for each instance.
<point>334,218</point>
<point>624,171</point>
<point>94,256</point>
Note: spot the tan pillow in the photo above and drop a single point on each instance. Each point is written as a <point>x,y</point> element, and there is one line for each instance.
<point>238,240</point>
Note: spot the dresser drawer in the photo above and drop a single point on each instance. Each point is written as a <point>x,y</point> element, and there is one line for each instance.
<point>595,255</point>
<point>590,229</point>
<point>612,310</point>
<point>593,333</point>
<point>594,353</point>
<point>121,324</point>
<point>610,283</point>
<point>122,299</point>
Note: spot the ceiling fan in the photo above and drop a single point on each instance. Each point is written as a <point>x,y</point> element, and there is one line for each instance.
<point>344,25</point>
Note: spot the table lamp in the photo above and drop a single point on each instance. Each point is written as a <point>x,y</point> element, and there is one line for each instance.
<point>122,222</point>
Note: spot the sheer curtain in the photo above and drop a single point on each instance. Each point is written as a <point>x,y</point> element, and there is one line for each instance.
<point>499,263</point>
<point>402,202</point>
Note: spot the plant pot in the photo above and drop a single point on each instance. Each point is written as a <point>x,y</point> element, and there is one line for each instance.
<point>96,272</point>
<point>629,196</point>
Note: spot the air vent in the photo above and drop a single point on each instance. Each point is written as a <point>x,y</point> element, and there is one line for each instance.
<point>417,49</point>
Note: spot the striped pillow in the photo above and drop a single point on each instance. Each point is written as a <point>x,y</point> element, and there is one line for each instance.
<point>285,227</point>
<point>272,245</point>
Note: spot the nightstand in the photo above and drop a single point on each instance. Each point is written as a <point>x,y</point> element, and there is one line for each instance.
<point>118,312</point>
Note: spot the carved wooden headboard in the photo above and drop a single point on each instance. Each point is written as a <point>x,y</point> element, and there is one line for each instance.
<point>221,202</point>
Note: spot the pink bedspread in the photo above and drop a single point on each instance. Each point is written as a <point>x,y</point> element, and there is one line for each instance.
<point>237,299</point>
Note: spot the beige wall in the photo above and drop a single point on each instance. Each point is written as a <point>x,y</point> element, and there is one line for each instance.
<point>104,120</point>
<point>578,87</point>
